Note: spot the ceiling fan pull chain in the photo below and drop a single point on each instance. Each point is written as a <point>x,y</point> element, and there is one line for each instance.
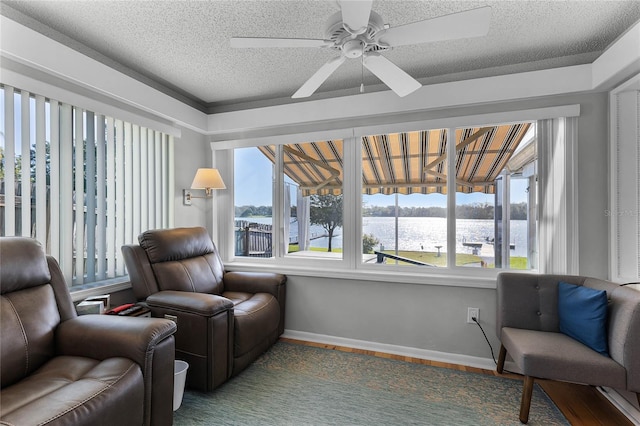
<point>362,72</point>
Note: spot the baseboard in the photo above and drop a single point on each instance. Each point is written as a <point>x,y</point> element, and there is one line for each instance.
<point>624,406</point>
<point>469,361</point>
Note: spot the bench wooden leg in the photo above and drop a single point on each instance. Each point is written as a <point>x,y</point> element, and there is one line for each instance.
<point>525,403</point>
<point>501,357</point>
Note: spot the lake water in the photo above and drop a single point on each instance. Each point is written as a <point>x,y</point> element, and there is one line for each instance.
<point>423,233</point>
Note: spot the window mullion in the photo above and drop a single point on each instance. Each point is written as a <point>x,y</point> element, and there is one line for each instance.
<point>352,185</point>
<point>451,197</point>
<point>280,241</point>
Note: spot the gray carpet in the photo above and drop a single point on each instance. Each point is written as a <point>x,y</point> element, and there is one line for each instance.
<point>300,385</point>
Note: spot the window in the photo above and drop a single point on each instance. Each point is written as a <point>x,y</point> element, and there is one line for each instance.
<point>80,182</point>
<point>405,207</point>
<point>253,177</point>
<point>312,212</point>
<point>403,216</point>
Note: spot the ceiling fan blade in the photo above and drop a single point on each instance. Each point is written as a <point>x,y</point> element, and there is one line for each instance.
<point>260,42</point>
<point>390,74</point>
<point>470,23</point>
<point>355,15</point>
<point>319,77</point>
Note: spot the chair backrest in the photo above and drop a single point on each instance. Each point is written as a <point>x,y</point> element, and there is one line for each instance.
<point>180,259</point>
<point>34,299</point>
<point>530,301</point>
<point>624,331</point>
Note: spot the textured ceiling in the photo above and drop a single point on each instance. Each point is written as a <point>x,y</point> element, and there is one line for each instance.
<point>183,48</point>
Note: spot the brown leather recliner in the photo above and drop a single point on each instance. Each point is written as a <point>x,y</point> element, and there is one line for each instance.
<point>62,369</point>
<point>225,319</point>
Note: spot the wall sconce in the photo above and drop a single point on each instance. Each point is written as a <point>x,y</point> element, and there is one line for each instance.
<point>207,179</point>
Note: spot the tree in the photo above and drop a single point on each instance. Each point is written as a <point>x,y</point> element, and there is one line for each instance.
<point>326,211</point>
<point>369,241</point>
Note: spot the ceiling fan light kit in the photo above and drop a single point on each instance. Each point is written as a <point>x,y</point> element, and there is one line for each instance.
<point>358,32</point>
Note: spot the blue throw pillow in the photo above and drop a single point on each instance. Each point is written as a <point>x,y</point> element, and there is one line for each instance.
<point>583,315</point>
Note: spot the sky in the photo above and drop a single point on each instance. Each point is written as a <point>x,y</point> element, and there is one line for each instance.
<point>255,180</point>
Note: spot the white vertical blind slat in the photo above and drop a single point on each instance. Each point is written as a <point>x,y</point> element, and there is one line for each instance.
<point>101,198</point>
<point>90,171</point>
<point>172,182</point>
<point>144,180</point>
<point>54,179</point>
<point>25,153</point>
<point>41,172</point>
<point>10,158</point>
<point>136,202</point>
<point>120,194</point>
<point>127,224</point>
<point>79,194</point>
<point>152,179</point>
<point>165,180</point>
<point>158,178</point>
<point>111,198</point>
<point>66,192</point>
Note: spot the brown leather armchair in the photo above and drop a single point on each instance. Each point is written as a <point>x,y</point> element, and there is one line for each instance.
<point>58,368</point>
<point>225,319</point>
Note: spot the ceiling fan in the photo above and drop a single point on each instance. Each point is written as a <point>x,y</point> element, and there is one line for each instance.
<point>359,32</point>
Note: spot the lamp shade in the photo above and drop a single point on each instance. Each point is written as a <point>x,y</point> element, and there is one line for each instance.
<point>207,179</point>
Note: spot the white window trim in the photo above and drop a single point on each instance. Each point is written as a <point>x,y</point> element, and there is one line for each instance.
<point>624,172</point>
<point>351,267</point>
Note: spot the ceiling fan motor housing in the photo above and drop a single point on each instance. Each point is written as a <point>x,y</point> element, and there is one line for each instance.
<point>354,46</point>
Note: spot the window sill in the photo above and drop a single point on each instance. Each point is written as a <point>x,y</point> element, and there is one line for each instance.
<point>81,292</point>
<point>460,277</point>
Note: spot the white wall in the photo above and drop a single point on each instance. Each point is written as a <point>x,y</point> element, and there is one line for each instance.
<point>191,152</point>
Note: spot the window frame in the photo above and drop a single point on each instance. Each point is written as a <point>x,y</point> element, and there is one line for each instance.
<point>351,267</point>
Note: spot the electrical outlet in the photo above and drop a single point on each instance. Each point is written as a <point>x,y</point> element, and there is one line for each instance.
<point>473,313</point>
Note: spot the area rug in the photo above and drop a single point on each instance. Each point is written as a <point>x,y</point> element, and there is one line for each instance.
<point>294,384</point>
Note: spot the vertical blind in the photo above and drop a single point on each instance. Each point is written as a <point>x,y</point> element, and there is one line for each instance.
<point>81,183</point>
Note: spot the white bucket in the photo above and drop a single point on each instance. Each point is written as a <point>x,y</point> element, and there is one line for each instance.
<point>179,379</point>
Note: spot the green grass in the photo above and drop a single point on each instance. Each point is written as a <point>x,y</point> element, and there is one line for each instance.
<point>431,258</point>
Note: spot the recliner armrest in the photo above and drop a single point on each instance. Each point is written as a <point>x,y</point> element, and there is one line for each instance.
<point>106,336</point>
<point>203,304</point>
<point>254,282</point>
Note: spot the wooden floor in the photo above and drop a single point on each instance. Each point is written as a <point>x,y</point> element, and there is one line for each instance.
<point>581,405</point>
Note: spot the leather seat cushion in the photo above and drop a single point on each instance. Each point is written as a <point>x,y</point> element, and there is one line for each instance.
<point>256,317</point>
<point>76,391</point>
